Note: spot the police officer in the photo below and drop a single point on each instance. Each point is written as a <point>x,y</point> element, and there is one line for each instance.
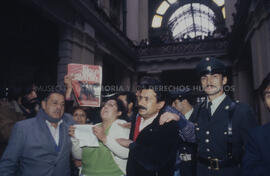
<point>221,124</point>
<point>183,101</point>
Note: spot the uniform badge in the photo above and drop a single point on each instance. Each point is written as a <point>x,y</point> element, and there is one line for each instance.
<point>209,68</point>
<point>227,107</point>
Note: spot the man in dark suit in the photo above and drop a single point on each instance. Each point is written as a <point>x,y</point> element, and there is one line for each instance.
<point>256,161</point>
<point>221,124</point>
<point>40,145</point>
<point>183,101</point>
<point>153,149</point>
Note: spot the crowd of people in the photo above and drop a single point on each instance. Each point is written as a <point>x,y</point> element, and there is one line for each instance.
<point>150,133</point>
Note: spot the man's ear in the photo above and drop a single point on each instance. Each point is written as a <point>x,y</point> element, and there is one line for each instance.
<point>224,80</point>
<point>160,105</point>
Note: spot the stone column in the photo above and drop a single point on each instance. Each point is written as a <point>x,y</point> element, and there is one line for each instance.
<point>65,53</point>
<point>98,59</point>
<point>137,20</point>
<point>75,46</point>
<point>133,20</point>
<point>83,48</point>
<point>143,20</point>
<point>229,11</point>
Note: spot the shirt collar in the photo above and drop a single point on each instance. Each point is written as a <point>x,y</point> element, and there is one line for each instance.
<point>150,119</point>
<point>58,124</point>
<point>147,122</point>
<point>188,114</point>
<point>216,102</point>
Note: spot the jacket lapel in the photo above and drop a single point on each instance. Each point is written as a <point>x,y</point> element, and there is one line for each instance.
<point>224,105</point>
<point>46,135</point>
<point>62,140</point>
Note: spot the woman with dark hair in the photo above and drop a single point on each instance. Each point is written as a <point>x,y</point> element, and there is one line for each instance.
<point>79,115</point>
<point>109,158</point>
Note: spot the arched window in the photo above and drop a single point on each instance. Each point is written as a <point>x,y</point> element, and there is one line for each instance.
<point>188,20</point>
<point>192,20</point>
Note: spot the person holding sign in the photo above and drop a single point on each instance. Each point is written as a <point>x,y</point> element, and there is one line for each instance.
<point>109,158</point>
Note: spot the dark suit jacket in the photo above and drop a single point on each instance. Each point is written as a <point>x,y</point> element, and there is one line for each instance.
<point>154,151</point>
<point>256,161</point>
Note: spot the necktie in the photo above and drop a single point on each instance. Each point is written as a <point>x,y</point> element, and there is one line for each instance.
<point>209,104</point>
<point>137,128</point>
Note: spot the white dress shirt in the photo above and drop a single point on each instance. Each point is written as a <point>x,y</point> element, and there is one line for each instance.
<point>216,102</point>
<point>54,131</point>
<point>146,122</point>
<point>188,114</point>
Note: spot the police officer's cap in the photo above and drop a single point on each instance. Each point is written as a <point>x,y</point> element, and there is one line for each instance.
<point>210,65</point>
<point>180,94</point>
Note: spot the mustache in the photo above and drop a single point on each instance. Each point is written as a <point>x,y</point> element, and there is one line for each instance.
<point>141,107</point>
<point>210,86</point>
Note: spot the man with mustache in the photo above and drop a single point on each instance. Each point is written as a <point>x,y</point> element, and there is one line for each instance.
<point>41,145</point>
<point>221,124</point>
<point>153,149</point>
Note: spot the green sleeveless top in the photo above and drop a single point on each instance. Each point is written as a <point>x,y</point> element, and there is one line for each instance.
<point>98,161</point>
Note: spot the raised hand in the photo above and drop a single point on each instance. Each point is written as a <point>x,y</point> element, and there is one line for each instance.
<point>167,117</point>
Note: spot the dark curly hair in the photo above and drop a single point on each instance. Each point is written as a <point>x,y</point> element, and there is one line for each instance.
<point>156,85</point>
<point>120,107</point>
